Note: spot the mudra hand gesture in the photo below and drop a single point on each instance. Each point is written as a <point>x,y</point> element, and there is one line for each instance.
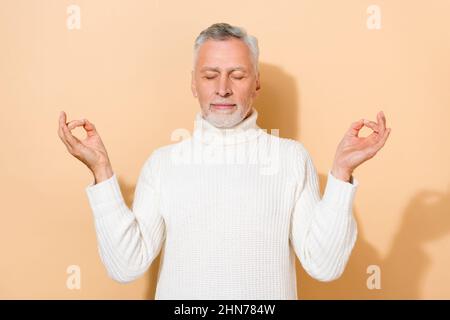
<point>91,150</point>
<point>352,151</point>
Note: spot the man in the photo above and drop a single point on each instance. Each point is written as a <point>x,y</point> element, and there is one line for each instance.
<point>230,229</point>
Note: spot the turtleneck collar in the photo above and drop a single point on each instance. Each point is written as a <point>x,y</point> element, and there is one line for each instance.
<point>244,131</point>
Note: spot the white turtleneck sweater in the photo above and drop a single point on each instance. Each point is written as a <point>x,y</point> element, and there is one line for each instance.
<point>230,209</point>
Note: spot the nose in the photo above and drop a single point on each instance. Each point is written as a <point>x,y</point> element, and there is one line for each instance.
<point>224,89</point>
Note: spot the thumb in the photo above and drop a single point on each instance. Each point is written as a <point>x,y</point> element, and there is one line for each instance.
<point>90,128</point>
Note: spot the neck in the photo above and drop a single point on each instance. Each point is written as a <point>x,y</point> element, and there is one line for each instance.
<point>245,131</point>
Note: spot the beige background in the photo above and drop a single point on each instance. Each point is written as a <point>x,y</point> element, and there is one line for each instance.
<point>128,70</point>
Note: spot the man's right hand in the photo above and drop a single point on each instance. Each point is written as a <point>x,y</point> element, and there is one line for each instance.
<point>91,151</point>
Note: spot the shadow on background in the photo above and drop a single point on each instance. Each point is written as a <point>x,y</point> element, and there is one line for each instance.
<point>278,102</point>
<point>426,218</point>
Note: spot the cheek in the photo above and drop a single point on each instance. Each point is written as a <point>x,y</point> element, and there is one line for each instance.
<point>244,92</point>
<point>206,89</point>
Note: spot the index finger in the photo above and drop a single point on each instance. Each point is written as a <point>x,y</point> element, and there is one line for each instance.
<point>355,127</point>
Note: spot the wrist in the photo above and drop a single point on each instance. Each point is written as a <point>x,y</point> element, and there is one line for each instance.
<point>102,173</point>
<point>342,174</point>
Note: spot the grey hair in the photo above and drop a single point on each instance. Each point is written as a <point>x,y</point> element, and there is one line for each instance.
<point>224,31</point>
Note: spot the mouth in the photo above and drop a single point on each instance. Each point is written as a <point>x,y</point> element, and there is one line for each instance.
<point>223,106</point>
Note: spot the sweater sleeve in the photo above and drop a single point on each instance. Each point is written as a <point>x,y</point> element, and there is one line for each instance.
<point>323,230</point>
<point>128,240</point>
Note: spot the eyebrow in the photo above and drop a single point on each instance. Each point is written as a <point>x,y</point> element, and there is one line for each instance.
<point>207,68</point>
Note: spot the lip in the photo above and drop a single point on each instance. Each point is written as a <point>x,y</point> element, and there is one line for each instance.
<point>223,105</point>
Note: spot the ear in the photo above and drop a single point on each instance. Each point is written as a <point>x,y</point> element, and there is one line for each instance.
<point>193,87</point>
<point>258,85</point>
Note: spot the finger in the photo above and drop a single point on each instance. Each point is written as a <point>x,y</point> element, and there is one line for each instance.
<point>75,123</point>
<point>62,122</point>
<point>355,127</point>
<point>387,132</point>
<point>61,136</point>
<point>90,128</point>
<point>71,140</point>
<point>372,125</point>
<point>382,141</point>
<point>381,122</point>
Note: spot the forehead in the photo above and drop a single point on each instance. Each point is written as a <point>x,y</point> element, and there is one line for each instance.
<point>224,54</point>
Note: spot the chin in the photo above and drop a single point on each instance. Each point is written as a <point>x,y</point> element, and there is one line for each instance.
<point>225,118</point>
<point>222,120</point>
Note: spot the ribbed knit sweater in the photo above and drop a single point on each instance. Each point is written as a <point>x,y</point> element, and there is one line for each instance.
<point>230,209</point>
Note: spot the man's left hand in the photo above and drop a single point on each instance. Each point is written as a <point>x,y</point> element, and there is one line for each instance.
<point>353,150</point>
